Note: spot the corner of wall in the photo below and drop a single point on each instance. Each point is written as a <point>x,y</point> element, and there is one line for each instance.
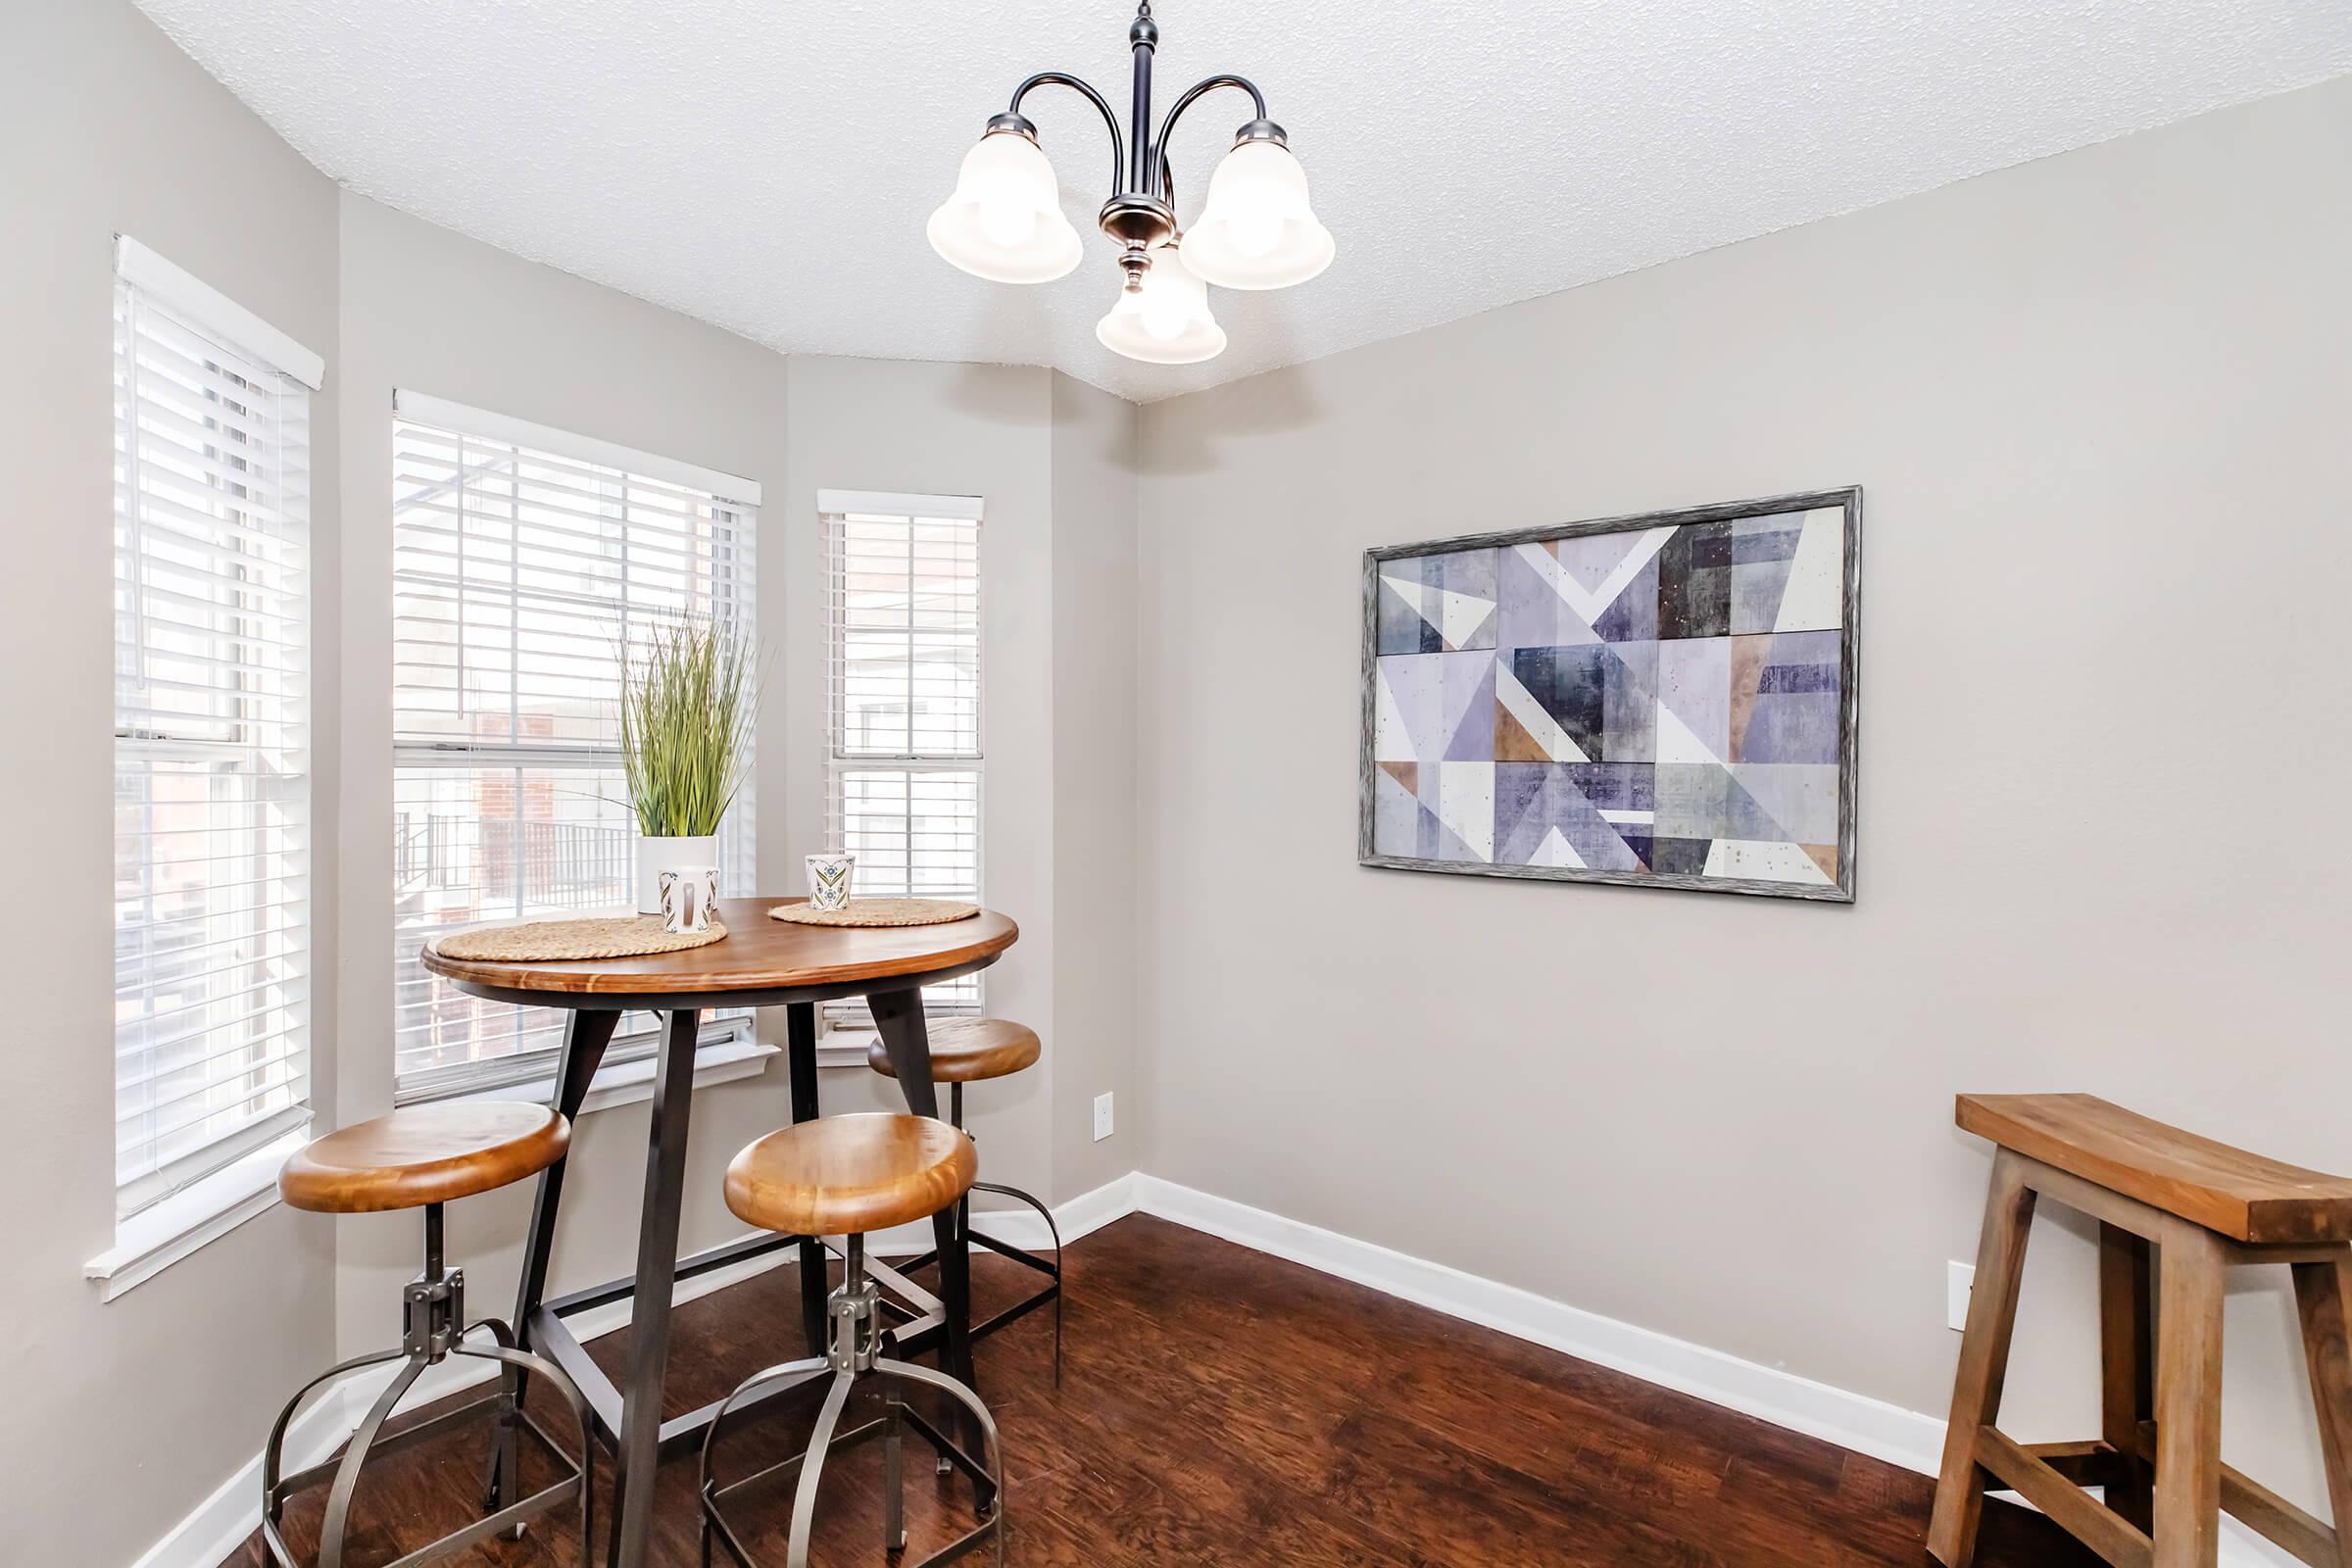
<point>1093,702</point>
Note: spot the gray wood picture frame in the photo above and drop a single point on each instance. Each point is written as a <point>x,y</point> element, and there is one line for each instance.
<point>1848,498</point>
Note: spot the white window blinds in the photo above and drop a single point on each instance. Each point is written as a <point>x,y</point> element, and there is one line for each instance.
<point>523,559</point>
<point>212,744</point>
<point>903,769</point>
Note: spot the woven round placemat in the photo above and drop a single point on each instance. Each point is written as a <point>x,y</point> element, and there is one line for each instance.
<point>622,936</point>
<point>878,911</point>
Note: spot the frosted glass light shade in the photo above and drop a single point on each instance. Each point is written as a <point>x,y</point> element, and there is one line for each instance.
<point>1004,221</point>
<point>1257,230</point>
<point>1166,322</point>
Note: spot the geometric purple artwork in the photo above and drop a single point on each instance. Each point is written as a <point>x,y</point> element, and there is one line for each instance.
<point>1666,700</point>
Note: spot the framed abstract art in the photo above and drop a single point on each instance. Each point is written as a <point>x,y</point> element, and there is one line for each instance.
<point>1657,701</point>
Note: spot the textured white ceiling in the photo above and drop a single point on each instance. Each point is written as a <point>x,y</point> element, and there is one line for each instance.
<point>767,164</point>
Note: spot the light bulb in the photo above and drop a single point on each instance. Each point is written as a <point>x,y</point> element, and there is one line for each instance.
<point>1164,319</point>
<point>1164,316</point>
<point>1255,234</point>
<point>1257,229</point>
<point>1005,219</point>
<point>1008,224</point>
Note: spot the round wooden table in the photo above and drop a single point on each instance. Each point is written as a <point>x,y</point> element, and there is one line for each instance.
<point>764,962</point>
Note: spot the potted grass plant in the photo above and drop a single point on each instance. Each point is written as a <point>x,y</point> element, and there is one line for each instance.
<point>688,689</point>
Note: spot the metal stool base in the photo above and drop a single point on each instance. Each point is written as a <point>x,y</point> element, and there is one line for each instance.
<point>1051,1269</point>
<point>855,1346</point>
<point>434,1306</point>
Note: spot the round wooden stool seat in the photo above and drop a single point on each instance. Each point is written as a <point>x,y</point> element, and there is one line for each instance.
<point>423,1155</point>
<point>848,1175</point>
<point>969,1051</point>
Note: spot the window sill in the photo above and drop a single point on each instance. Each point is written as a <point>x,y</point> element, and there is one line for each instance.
<point>154,1239</point>
<point>157,1236</point>
<point>846,1044</point>
<point>631,1083</point>
<point>844,1048</point>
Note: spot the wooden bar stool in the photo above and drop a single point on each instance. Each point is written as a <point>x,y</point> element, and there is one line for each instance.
<point>422,1157</point>
<point>846,1176</point>
<point>966,1051</point>
<point>2203,1207</point>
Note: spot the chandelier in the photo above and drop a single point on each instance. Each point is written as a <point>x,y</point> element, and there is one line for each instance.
<point>1256,231</point>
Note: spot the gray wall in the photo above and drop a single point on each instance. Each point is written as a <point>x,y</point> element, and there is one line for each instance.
<point>211,1346</point>
<point>2098,407</point>
<point>1093,709</point>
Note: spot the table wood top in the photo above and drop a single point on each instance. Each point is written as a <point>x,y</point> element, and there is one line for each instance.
<point>759,954</point>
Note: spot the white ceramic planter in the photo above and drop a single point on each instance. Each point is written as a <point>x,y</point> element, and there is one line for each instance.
<point>656,856</point>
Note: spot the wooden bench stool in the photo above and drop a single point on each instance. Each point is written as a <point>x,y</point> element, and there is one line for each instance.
<point>2204,1207</point>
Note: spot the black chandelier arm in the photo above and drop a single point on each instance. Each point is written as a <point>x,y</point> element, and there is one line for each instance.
<point>1110,121</point>
<point>1167,126</point>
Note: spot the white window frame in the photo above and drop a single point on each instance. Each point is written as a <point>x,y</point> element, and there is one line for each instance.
<point>849,1016</point>
<point>728,1047</point>
<point>171,1210</point>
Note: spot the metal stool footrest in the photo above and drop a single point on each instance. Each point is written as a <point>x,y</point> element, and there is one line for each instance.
<point>435,1330</point>
<point>1048,1267</point>
<point>856,1342</point>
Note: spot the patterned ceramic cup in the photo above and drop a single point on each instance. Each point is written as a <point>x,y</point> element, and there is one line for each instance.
<point>689,898</point>
<point>829,880</point>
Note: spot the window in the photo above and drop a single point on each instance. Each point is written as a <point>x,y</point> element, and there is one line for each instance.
<point>524,560</point>
<point>212,745</point>
<point>902,773</point>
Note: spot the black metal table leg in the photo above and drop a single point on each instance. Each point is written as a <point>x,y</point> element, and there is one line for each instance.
<point>898,1019</point>
<point>800,1039</point>
<point>656,1266</point>
<point>585,1036</point>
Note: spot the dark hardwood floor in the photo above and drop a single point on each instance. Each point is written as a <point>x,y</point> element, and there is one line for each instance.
<point>1219,1406</point>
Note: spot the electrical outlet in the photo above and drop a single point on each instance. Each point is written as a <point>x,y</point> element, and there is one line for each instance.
<point>1960,1283</point>
<point>1101,1117</point>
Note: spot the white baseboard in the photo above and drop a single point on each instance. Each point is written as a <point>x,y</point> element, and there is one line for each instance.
<point>1851,1420</point>
<point>1906,1437</point>
<point>1910,1438</point>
